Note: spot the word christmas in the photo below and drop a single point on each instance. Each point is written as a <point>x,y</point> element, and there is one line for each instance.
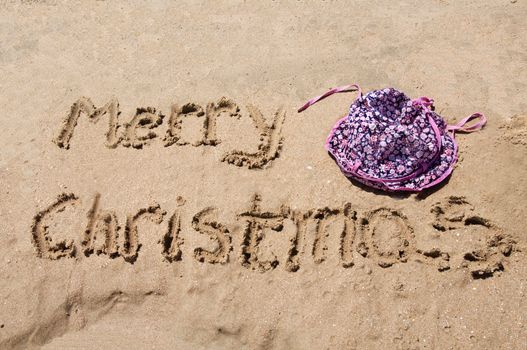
<point>361,233</point>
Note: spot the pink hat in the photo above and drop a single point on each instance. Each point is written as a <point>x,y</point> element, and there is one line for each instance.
<point>390,142</point>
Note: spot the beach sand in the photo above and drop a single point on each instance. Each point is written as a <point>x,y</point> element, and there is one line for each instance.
<point>191,207</point>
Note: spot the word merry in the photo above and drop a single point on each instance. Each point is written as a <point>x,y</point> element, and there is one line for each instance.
<point>361,232</point>
<point>141,129</point>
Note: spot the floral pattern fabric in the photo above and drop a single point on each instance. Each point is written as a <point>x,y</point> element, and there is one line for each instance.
<point>390,142</point>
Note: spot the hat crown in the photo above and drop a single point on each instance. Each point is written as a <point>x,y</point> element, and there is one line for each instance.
<point>390,135</point>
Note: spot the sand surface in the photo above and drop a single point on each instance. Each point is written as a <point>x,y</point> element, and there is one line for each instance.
<point>190,207</point>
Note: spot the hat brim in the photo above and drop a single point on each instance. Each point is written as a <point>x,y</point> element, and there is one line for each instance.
<point>437,172</point>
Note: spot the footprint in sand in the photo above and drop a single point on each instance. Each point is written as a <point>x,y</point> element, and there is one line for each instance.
<point>515,130</point>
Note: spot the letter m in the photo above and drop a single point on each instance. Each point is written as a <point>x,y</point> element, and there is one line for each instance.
<point>85,105</point>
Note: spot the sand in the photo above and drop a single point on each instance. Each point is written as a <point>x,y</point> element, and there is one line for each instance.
<point>159,189</point>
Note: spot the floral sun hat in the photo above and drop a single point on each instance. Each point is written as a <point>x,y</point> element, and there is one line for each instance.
<point>393,143</point>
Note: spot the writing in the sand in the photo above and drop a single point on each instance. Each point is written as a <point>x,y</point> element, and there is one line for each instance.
<point>142,128</point>
<point>384,235</point>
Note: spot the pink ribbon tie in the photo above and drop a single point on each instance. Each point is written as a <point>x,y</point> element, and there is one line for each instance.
<point>475,127</point>
<point>425,101</point>
<point>345,88</point>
